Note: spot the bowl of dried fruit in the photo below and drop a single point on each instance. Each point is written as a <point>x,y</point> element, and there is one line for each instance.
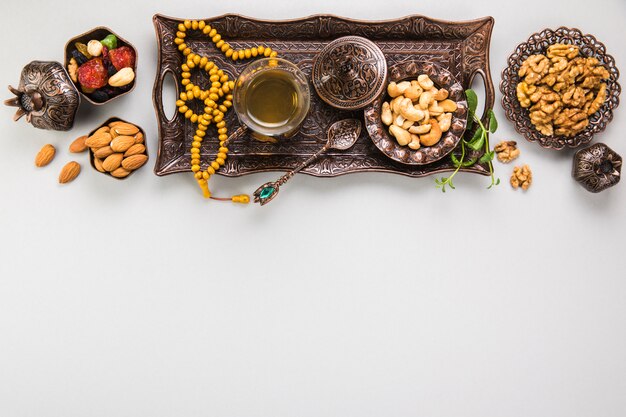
<point>117,148</point>
<point>101,64</point>
<point>560,88</point>
<point>422,115</point>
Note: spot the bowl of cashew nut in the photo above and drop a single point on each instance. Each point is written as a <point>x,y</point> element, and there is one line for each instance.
<point>560,88</point>
<point>422,115</point>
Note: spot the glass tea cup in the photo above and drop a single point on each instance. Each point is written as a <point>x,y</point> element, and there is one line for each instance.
<point>272,98</point>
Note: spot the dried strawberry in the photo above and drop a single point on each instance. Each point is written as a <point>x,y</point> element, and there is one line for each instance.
<point>122,57</point>
<point>93,74</point>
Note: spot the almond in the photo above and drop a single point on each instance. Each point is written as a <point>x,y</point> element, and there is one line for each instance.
<point>112,162</point>
<point>136,149</point>
<point>97,162</point>
<point>135,161</point>
<point>98,140</point>
<point>69,172</point>
<point>125,129</point>
<point>78,145</point>
<point>122,143</point>
<point>139,138</point>
<point>120,173</point>
<point>103,152</point>
<point>45,155</point>
<point>103,129</point>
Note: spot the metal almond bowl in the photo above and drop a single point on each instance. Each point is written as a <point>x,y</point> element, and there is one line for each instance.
<point>100,33</point>
<point>388,145</point>
<point>538,43</point>
<point>92,156</point>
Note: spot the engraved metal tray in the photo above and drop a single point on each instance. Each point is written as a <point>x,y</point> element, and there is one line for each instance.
<point>460,47</point>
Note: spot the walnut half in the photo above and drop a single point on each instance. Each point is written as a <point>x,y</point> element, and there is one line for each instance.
<point>521,177</point>
<point>506,151</point>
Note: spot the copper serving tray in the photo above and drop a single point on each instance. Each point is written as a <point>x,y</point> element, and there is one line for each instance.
<point>460,47</point>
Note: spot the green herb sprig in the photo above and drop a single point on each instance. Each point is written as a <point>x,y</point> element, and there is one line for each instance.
<point>478,141</point>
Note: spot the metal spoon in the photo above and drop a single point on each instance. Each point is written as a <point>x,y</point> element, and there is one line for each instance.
<point>341,135</point>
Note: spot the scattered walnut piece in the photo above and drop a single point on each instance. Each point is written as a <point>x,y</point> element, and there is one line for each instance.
<point>507,151</point>
<point>72,69</point>
<point>521,177</point>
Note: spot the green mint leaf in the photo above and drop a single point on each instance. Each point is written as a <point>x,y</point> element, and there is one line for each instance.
<point>470,123</point>
<point>478,141</point>
<point>487,157</point>
<point>472,101</point>
<point>469,162</point>
<point>493,122</point>
<point>477,136</point>
<point>455,160</point>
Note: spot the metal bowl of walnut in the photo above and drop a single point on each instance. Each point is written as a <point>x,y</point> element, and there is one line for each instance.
<point>560,88</point>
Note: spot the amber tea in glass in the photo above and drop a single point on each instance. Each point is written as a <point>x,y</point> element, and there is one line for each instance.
<point>271,97</point>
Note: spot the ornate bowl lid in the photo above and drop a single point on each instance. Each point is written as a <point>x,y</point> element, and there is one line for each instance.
<point>46,96</point>
<point>597,167</point>
<point>349,73</point>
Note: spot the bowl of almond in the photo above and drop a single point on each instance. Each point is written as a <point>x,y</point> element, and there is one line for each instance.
<point>560,88</point>
<point>117,148</point>
<point>421,117</point>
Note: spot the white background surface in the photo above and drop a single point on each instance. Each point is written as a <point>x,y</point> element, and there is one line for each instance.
<point>364,295</point>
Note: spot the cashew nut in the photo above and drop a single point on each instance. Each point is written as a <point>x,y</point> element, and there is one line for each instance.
<point>435,109</point>
<point>410,112</point>
<point>397,89</point>
<point>402,136</point>
<point>418,112</point>
<point>448,106</point>
<point>434,136</point>
<point>441,94</point>
<point>415,142</point>
<point>425,82</point>
<point>420,130</point>
<point>123,77</point>
<point>413,92</point>
<point>425,99</point>
<point>399,120</point>
<point>385,114</point>
<point>395,104</point>
<point>445,121</point>
<point>407,124</point>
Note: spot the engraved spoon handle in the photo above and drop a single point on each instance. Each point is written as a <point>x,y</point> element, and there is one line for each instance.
<point>303,165</point>
<point>243,129</point>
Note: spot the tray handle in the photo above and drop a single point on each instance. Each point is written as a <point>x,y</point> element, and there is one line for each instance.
<point>158,94</point>
<point>490,92</point>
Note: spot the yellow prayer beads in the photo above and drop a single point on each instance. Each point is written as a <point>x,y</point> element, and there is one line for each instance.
<point>217,99</point>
